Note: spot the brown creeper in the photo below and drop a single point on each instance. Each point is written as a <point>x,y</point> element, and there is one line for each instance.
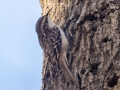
<point>54,43</point>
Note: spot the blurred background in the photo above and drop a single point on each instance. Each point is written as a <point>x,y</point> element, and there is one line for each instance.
<point>20,54</point>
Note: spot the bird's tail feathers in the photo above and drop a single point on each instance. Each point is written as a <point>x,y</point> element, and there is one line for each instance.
<point>67,73</point>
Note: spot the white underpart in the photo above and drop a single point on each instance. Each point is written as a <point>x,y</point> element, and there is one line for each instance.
<point>65,45</point>
<point>51,24</point>
<point>64,39</point>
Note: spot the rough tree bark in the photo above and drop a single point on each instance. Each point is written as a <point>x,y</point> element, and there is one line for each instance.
<point>93,30</point>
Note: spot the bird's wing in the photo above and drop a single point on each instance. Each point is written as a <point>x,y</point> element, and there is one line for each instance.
<point>53,43</point>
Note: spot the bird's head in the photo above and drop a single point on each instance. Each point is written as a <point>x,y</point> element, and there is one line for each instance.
<point>42,22</point>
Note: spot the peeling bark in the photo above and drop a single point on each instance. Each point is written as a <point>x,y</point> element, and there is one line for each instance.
<point>93,30</point>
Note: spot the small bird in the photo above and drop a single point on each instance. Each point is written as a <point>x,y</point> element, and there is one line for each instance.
<point>54,44</point>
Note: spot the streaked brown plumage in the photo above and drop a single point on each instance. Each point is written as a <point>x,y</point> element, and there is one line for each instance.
<point>54,43</point>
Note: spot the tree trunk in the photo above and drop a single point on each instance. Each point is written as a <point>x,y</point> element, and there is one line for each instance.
<point>93,30</point>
